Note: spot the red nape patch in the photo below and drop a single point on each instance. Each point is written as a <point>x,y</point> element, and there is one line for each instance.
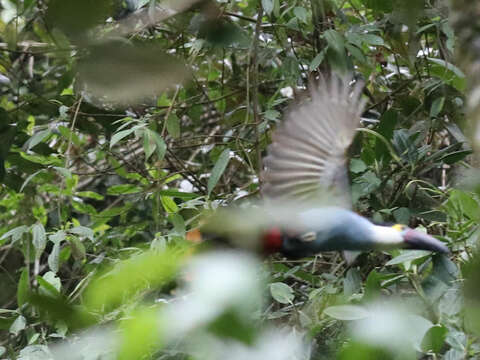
<point>272,241</point>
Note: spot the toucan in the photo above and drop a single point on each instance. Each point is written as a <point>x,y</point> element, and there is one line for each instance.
<point>307,205</point>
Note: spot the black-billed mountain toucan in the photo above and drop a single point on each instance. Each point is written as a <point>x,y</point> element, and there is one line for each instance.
<point>306,187</point>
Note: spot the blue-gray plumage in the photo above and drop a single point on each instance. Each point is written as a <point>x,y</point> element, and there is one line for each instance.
<point>333,229</point>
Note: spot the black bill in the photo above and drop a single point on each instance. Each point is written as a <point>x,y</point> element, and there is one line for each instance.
<point>422,241</point>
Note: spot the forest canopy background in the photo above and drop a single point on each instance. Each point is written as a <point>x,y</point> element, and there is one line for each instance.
<point>122,122</point>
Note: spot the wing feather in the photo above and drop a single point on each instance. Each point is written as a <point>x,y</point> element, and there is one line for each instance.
<point>307,156</point>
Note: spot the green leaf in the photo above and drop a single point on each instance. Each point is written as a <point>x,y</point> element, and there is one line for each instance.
<point>352,283</point>
<point>463,202</point>
<point>437,106</point>
<point>18,325</point>
<point>148,143</point>
<point>379,6</point>
<point>317,60</point>
<point>388,121</point>
<point>282,293</point>
<point>127,71</point>
<point>29,178</point>
<point>356,53</point>
<point>232,325</point>
<point>87,15</point>
<point>271,114</point>
<point>142,332</point>
<point>179,194</point>
<point>267,6</point>
<point>373,285</point>
<point>67,134</point>
<point>218,169</point>
<point>372,39</point>
<point>43,160</point>
<point>84,208</point>
<point>57,237</point>
<point>408,256</point>
<point>49,285</point>
<point>357,166</point>
<point>168,204</point>
<point>448,66</point>
<point>347,312</point>
<point>124,189</point>
<point>173,125</point>
<point>23,287</point>
<point>163,101</point>
<point>365,184</point>
<point>402,215</point>
<point>63,172</point>
<point>38,138</point>
<point>335,40</point>
<point>90,194</point>
<point>53,258</point>
<point>53,280</point>
<point>147,271</point>
<point>455,156</point>
<point>301,13</point>
<point>161,147</point>
<point>15,233</point>
<point>78,249</point>
<point>39,239</point>
<point>82,231</point>
<point>178,223</point>
<point>120,135</point>
<point>448,73</point>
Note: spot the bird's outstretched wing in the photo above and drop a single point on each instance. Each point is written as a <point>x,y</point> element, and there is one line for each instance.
<point>307,157</point>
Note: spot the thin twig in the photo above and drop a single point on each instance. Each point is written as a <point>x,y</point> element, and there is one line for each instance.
<point>256,116</point>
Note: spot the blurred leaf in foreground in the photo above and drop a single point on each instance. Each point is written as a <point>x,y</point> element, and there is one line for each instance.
<point>74,17</point>
<point>124,73</point>
<point>393,328</point>
<point>149,270</point>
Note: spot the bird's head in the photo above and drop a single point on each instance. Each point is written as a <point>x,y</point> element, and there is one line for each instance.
<point>398,235</point>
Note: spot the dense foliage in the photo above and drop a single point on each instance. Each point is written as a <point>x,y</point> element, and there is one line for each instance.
<point>122,121</point>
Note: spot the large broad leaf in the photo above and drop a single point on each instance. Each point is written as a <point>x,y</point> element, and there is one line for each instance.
<point>335,40</point>
<point>124,73</point>
<point>434,338</point>
<point>448,73</point>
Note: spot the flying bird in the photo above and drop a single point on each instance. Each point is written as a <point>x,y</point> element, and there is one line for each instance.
<point>308,207</point>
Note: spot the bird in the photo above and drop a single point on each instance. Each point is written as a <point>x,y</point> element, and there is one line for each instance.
<point>307,206</point>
